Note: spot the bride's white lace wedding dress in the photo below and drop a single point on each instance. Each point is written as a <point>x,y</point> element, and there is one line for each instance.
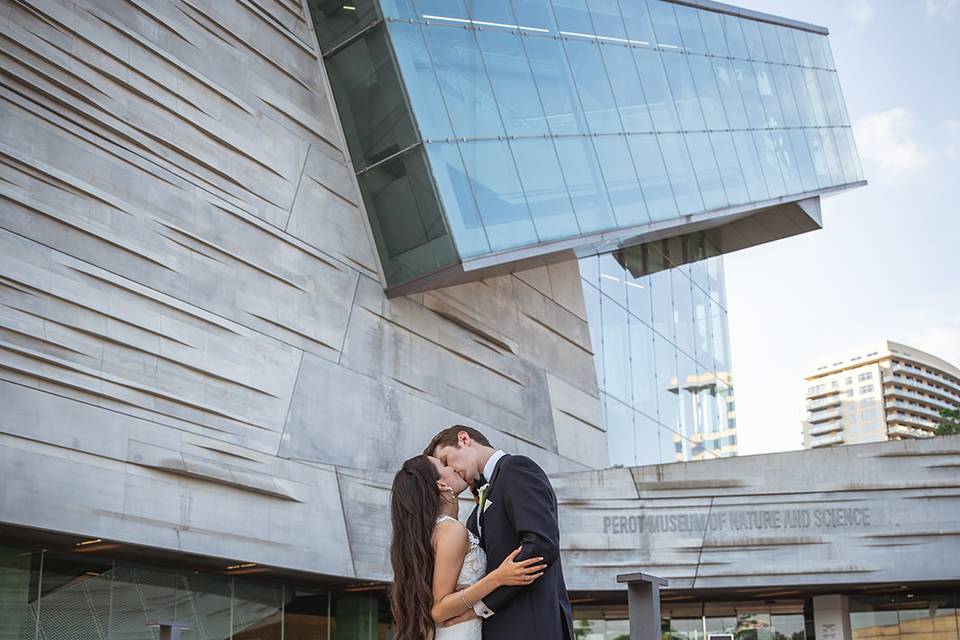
<point>474,568</point>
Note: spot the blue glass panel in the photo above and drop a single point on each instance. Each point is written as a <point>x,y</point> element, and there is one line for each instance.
<point>509,73</point>
<point>546,190</point>
<point>820,116</point>
<point>768,95</point>
<point>534,15</point>
<point>827,52</point>
<point>657,90</point>
<point>668,408</point>
<point>590,273</point>
<point>627,90</point>
<point>661,293</point>
<point>637,21</point>
<point>677,161</point>
<point>816,47</point>
<point>767,149</point>
<point>684,92</point>
<point>503,208</point>
<point>852,156</point>
<point>690,30</point>
<point>640,307</point>
<point>442,9</point>
<point>399,9</point>
<point>735,40</point>
<point>664,24</point>
<point>751,33</point>
<point>803,47</point>
<point>593,86</point>
<point>648,441</point>
<point>831,157</point>
<point>708,174</point>
<point>621,439</point>
<point>712,25</point>
<point>706,84</point>
<point>808,176</point>
<point>613,284</point>
<point>771,42</point>
<point>828,89</point>
<point>805,106</point>
<point>585,181</point>
<point>420,81</point>
<point>464,83</point>
<point>607,21</point>
<point>496,11</point>
<point>616,349</point>
<point>730,93</point>
<point>730,171</point>
<point>788,45</point>
<point>838,91</point>
<point>788,160</point>
<point>791,114</point>
<point>653,176</point>
<point>682,310</point>
<point>621,181</point>
<point>747,80</point>
<point>750,163</point>
<point>847,155</point>
<point>555,85</point>
<point>573,16</point>
<point>457,198</point>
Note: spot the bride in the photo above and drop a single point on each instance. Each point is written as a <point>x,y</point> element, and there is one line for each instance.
<point>438,566</point>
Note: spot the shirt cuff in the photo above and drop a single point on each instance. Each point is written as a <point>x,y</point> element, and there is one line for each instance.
<point>482,610</point>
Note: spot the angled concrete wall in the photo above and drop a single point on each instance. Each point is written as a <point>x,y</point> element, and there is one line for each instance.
<point>192,323</point>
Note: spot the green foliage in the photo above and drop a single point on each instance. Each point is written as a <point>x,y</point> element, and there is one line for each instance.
<point>949,422</point>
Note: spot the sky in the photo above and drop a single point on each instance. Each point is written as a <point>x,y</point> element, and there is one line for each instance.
<point>886,264</point>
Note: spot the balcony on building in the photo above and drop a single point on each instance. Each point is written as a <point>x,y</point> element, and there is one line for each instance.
<point>489,137</point>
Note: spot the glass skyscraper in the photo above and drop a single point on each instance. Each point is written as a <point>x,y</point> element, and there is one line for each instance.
<point>488,132</point>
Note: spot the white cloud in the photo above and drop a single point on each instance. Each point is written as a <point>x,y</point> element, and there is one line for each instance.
<point>861,12</point>
<point>885,140</point>
<point>943,8</point>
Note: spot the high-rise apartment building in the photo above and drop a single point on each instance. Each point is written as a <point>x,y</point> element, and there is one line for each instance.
<point>887,391</point>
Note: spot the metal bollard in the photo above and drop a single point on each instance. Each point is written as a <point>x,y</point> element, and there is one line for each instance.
<point>643,603</point>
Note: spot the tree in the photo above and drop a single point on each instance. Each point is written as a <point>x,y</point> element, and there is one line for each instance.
<point>949,422</point>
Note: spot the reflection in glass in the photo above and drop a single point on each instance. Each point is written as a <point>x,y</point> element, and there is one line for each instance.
<point>690,30</point>
<point>767,148</point>
<point>637,21</point>
<point>653,176</point>
<point>708,174</point>
<point>684,92</point>
<point>707,91</point>
<point>664,24</point>
<point>516,93</point>
<point>593,86</point>
<point>750,163</point>
<point>621,181</point>
<point>458,200</point>
<point>731,173</point>
<point>463,82</point>
<point>657,89</point>
<point>607,21</point>
<point>677,161</point>
<point>627,89</point>
<point>585,181</point>
<point>496,187</point>
<point>730,93</point>
<point>545,188</point>
<point>555,86</point>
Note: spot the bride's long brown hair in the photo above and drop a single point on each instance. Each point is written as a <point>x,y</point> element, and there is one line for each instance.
<point>414,507</point>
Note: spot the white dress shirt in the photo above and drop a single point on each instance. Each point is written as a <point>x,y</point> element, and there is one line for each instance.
<point>481,609</point>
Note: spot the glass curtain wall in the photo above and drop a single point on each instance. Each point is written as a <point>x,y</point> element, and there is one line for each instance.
<point>658,322</point>
<point>544,120</point>
<point>68,596</point>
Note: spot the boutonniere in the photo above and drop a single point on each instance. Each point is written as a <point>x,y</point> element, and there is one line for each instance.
<point>484,490</point>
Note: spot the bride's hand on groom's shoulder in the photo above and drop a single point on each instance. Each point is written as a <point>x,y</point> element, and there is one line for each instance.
<point>524,572</point>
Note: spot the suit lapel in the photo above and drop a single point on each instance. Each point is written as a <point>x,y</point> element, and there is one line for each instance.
<point>493,479</point>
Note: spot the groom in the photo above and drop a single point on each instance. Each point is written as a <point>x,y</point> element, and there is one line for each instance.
<point>516,508</point>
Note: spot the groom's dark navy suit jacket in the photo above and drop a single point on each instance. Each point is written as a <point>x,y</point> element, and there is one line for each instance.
<point>523,512</point>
